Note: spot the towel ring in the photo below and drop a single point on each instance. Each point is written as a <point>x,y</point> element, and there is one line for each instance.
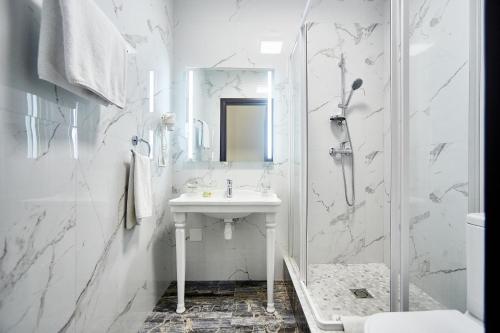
<point>136,140</point>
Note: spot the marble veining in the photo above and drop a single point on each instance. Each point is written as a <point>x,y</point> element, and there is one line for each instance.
<point>438,160</point>
<point>66,262</point>
<point>222,306</point>
<point>439,176</point>
<point>448,81</point>
<point>233,30</point>
<point>338,233</point>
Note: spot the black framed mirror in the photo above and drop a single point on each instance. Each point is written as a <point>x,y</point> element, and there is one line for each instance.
<point>246,130</point>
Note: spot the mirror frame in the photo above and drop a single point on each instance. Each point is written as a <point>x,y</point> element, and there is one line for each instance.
<point>225,102</point>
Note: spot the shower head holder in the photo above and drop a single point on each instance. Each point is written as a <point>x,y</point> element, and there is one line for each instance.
<point>338,118</point>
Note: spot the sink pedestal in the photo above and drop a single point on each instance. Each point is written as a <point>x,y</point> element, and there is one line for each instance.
<point>180,247</point>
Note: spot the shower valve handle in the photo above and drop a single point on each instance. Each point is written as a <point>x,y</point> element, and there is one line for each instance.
<point>343,150</point>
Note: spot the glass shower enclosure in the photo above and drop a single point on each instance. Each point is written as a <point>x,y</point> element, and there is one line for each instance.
<point>409,141</point>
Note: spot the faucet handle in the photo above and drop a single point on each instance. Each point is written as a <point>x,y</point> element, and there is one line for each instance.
<point>229,188</point>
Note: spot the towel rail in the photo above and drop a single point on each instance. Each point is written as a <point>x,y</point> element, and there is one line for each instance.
<point>136,140</point>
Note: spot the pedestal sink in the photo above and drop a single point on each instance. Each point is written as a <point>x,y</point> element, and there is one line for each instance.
<point>242,204</point>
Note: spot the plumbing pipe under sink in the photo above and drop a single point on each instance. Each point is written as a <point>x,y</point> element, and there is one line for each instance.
<point>228,229</point>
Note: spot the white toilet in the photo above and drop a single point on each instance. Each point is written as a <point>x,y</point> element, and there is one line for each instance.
<point>446,321</point>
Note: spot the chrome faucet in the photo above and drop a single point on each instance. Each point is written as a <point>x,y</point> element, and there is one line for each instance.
<point>344,149</point>
<point>229,188</point>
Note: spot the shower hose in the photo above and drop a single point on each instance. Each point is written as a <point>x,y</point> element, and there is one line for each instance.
<point>350,202</point>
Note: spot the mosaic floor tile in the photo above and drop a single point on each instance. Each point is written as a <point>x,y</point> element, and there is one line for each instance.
<point>222,306</point>
<point>330,287</point>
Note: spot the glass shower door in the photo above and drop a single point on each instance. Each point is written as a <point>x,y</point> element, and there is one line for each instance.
<point>401,246</point>
<point>348,243</point>
<point>298,152</point>
<point>438,140</point>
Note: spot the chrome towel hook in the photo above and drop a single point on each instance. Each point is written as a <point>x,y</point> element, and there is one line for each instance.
<point>136,140</point>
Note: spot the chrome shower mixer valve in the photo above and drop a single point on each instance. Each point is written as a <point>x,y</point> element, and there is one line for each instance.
<point>344,149</point>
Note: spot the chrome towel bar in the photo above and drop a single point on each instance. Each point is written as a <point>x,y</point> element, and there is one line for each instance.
<point>136,140</point>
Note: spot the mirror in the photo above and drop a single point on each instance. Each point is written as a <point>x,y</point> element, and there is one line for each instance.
<point>230,115</point>
<point>243,124</point>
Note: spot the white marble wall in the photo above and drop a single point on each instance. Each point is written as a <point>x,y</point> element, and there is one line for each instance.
<point>438,141</point>
<point>227,33</point>
<point>66,262</point>
<point>359,29</point>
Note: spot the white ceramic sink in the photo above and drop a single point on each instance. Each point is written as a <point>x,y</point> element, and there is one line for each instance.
<point>243,203</point>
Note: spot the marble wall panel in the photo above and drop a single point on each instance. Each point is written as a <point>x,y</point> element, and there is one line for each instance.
<point>439,101</point>
<point>66,263</point>
<point>227,34</point>
<point>338,233</point>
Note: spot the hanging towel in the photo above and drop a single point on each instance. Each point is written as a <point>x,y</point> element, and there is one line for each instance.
<point>353,324</point>
<point>82,51</point>
<point>139,194</point>
<point>205,131</point>
<point>51,52</point>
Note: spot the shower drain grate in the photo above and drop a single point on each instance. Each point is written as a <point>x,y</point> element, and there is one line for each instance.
<point>361,293</point>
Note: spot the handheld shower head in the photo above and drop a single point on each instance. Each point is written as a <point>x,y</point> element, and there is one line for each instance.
<point>357,84</point>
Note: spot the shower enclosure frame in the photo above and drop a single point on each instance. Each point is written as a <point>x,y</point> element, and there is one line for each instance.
<point>301,251</point>
<point>399,146</point>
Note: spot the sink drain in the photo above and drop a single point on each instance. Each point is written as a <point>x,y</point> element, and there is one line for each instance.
<point>361,293</point>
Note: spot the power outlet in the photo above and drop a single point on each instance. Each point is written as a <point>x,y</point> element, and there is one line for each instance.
<point>195,235</point>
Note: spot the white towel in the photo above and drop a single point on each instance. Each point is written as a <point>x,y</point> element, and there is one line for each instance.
<point>353,324</point>
<point>139,194</point>
<point>205,131</point>
<point>51,52</point>
<point>81,51</point>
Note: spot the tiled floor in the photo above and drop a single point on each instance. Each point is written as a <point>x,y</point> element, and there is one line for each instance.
<point>330,284</point>
<point>222,306</point>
